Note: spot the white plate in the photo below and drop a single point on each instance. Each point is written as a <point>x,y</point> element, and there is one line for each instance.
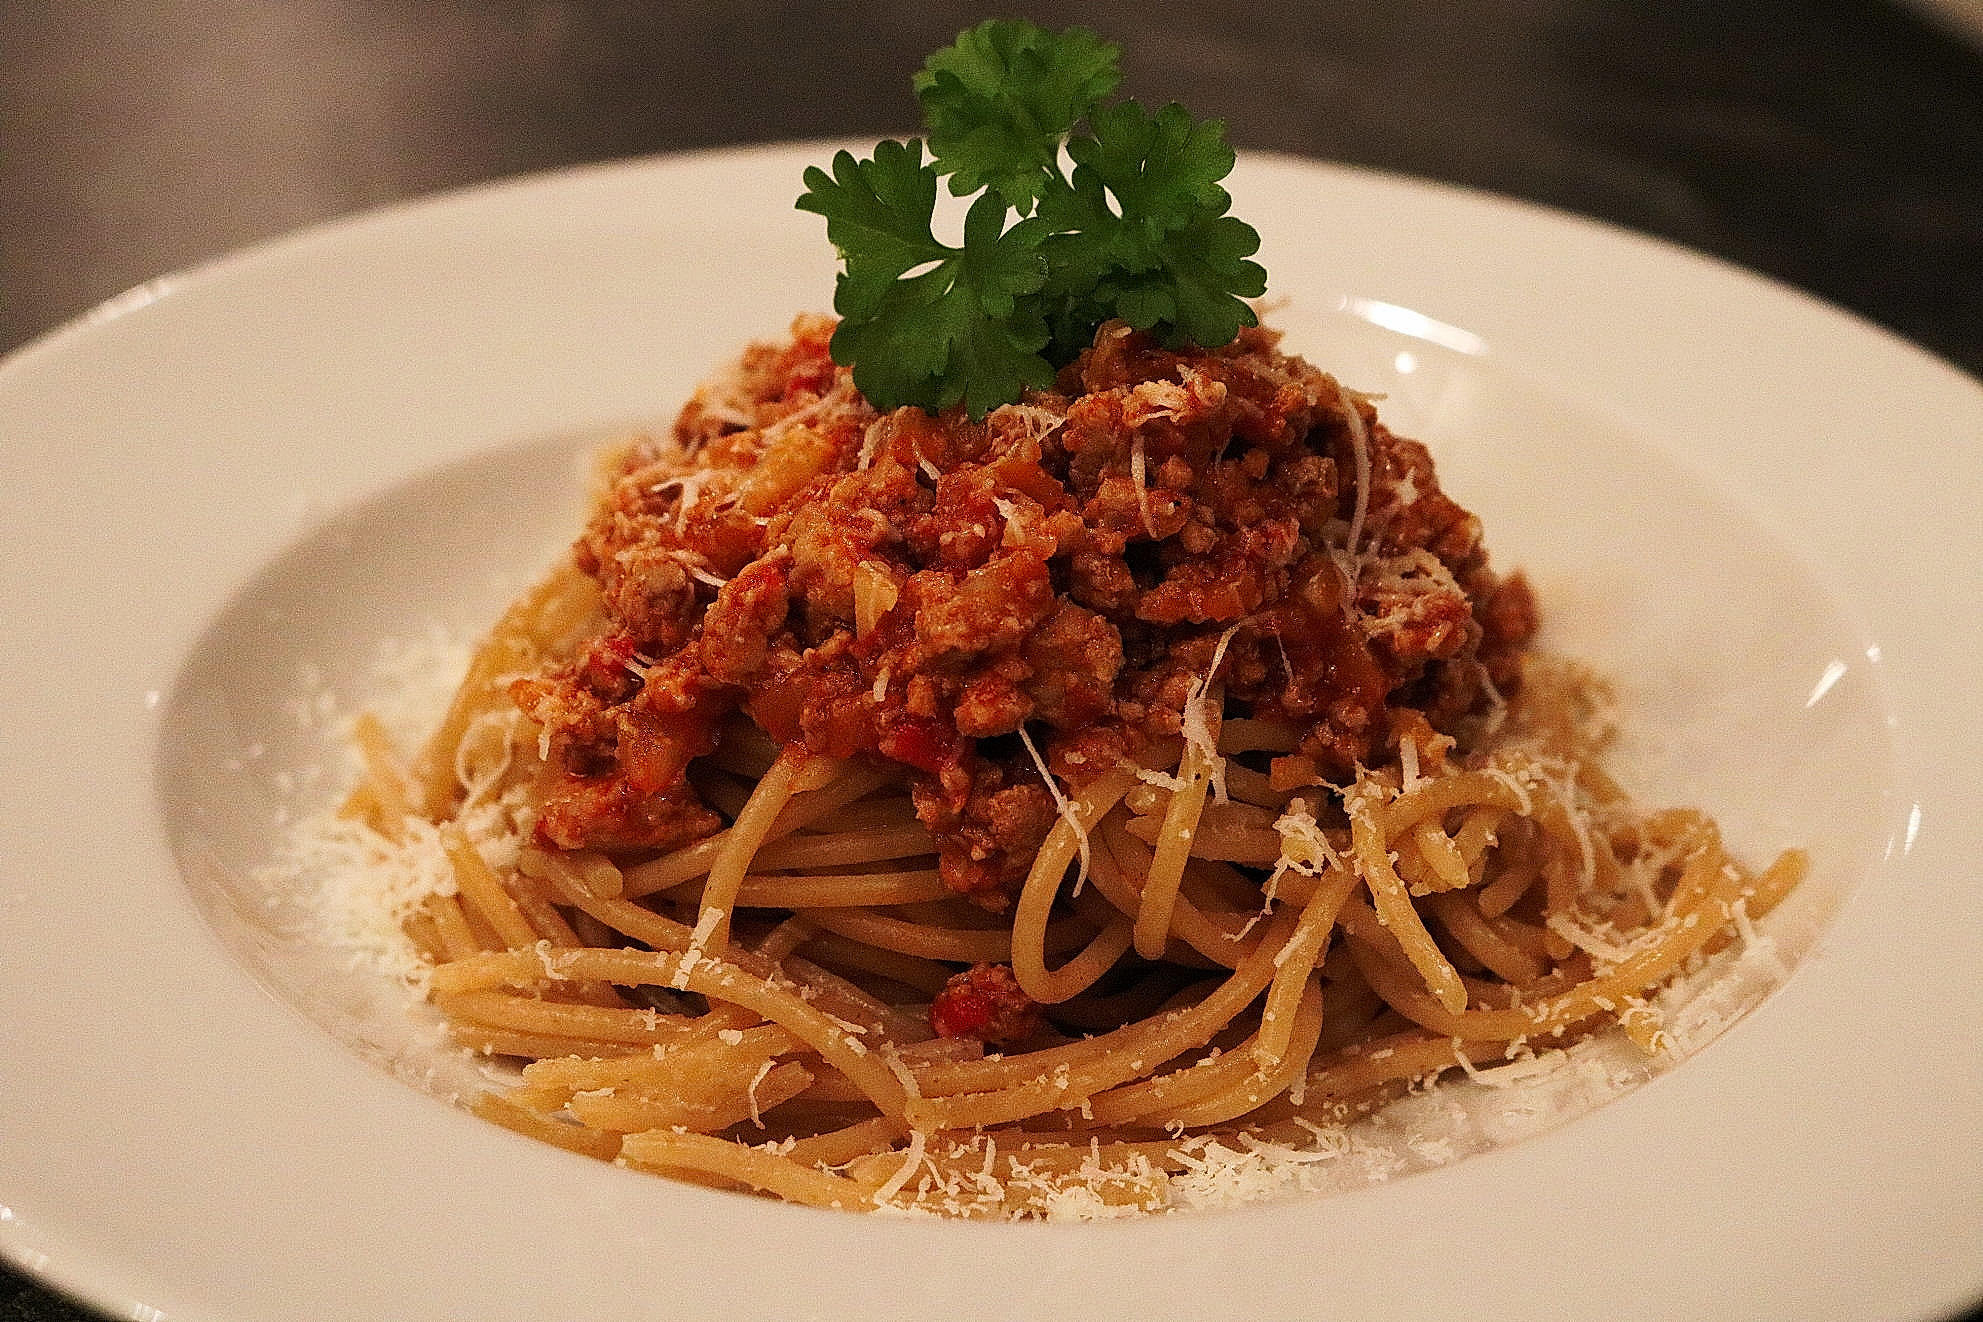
<point>1757,511</point>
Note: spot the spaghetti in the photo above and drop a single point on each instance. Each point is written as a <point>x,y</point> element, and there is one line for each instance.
<point>894,811</point>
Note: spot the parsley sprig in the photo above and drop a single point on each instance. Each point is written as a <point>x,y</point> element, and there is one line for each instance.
<point>1084,210</point>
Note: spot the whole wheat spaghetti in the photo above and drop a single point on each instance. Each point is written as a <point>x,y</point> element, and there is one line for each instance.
<point>891,810</point>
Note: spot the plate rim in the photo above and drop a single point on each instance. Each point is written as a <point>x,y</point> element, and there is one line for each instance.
<point>103,1281</point>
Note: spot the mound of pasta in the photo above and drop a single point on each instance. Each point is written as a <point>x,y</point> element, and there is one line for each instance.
<point>888,810</point>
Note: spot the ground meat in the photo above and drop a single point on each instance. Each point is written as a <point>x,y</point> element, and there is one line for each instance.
<point>740,624</point>
<point>923,590</point>
<point>984,1003</point>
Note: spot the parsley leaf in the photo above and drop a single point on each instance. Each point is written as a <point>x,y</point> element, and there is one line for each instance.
<point>1141,226</point>
<point>1138,229</point>
<point>1000,100</point>
<point>922,322</point>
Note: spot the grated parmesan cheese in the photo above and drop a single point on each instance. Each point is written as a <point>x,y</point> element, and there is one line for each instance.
<point>360,887</point>
<point>912,1160</point>
<point>1064,806</point>
<point>1196,724</point>
<point>1360,445</point>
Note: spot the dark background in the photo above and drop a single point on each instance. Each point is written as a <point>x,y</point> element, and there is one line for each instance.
<point>1834,144</point>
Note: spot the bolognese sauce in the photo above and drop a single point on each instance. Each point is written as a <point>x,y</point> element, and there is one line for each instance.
<point>923,589</point>
<point>1003,817</point>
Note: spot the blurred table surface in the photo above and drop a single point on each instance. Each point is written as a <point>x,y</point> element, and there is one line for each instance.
<point>1836,145</point>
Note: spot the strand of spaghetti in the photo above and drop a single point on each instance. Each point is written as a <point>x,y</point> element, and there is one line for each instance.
<point>739,1099</point>
<point>542,915</point>
<point>662,933</point>
<point>1122,858</point>
<point>906,1168</point>
<point>1297,959</point>
<point>526,1014</point>
<point>1477,834</point>
<point>528,629</point>
<point>1230,816</point>
<point>587,868</point>
<point>620,915</point>
<point>786,937</point>
<point>1272,1076</point>
<point>1216,841</point>
<point>1052,1149</point>
<point>672,1152</point>
<point>847,848</point>
<point>845,999</point>
<point>1753,896</point>
<point>1597,867</point>
<point>1162,1098</point>
<point>477,883</point>
<point>832,950</point>
<point>1027,943</point>
<point>1085,969</point>
<point>486,1041</point>
<point>548,1101</point>
<point>992,1073</point>
<point>1763,892</point>
<point>875,813</point>
<point>1441,856</point>
<point>573,1138</point>
<point>834,1089</point>
<point>740,842</point>
<point>1256,734</point>
<point>1702,906</point>
<point>829,890</point>
<point>421,930</point>
<point>550,924</point>
<point>1174,841</point>
<point>458,938</point>
<point>694,1065</point>
<point>1403,1057</point>
<point>1382,966</point>
<point>837,1147</point>
<point>1559,901</point>
<point>385,778</point>
<point>1246,785</point>
<point>719,979</point>
<point>685,1065</point>
<point>1481,939</point>
<point>648,1069</point>
<point>1369,846</point>
<point>362,805</point>
<point>940,1048</point>
<point>1528,937</point>
<point>1518,873</point>
<point>1159,1095</point>
<point>960,945</point>
<point>485,935</point>
<point>1208,898</point>
<point>692,861</point>
<point>1436,796</point>
<point>712,1077</point>
<point>1130,1052</point>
